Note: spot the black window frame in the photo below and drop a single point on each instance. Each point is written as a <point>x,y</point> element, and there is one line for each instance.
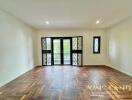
<point>99,43</point>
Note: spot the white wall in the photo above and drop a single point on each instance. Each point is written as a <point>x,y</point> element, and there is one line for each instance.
<point>120,46</point>
<point>88,57</point>
<point>16,48</point>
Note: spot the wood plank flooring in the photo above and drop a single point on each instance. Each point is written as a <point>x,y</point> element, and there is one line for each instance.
<point>69,83</point>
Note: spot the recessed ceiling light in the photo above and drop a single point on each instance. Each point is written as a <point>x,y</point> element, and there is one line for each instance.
<point>47,22</point>
<point>97,22</point>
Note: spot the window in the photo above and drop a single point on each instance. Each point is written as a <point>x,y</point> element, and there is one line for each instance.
<point>96,44</point>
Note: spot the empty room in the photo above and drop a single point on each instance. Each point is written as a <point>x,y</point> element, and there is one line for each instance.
<point>65,50</point>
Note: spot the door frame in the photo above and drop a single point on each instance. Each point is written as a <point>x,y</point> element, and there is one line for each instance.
<point>43,51</point>
<point>61,50</point>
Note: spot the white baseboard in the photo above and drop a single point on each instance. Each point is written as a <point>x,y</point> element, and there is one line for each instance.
<point>120,70</point>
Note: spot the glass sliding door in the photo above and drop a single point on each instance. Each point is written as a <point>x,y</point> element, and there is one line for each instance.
<point>61,51</point>
<point>66,51</point>
<point>56,51</point>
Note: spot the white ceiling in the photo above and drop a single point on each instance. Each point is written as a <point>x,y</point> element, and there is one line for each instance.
<point>69,13</point>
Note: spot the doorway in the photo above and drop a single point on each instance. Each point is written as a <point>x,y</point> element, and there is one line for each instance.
<point>61,48</point>
<point>62,51</point>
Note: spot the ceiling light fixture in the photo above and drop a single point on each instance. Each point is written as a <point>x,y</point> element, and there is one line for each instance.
<point>97,22</point>
<point>47,22</point>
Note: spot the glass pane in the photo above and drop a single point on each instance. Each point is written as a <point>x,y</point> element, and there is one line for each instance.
<point>44,59</point>
<point>74,43</point>
<point>96,45</point>
<point>79,59</point>
<point>44,44</point>
<point>48,41</point>
<point>57,56</point>
<point>66,47</point>
<point>74,58</point>
<point>79,43</point>
<point>48,58</point>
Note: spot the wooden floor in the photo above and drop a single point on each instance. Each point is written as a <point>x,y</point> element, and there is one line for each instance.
<point>69,83</point>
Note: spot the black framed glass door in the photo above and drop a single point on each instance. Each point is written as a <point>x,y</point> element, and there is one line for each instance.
<point>77,51</point>
<point>67,51</point>
<point>62,51</point>
<point>56,51</point>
